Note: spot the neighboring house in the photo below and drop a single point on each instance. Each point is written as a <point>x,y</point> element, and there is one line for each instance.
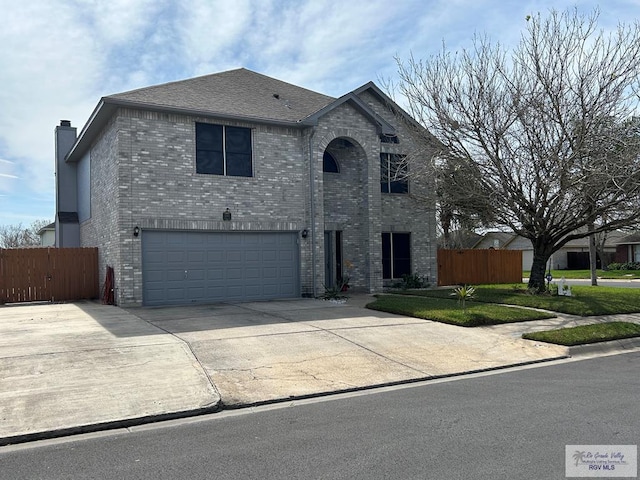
<point>238,187</point>
<point>574,255</point>
<point>628,248</point>
<point>460,239</point>
<point>48,235</point>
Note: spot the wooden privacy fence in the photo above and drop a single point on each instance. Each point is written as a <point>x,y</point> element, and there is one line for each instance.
<point>48,274</point>
<point>473,267</point>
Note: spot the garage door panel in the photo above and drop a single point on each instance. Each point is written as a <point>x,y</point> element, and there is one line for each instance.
<point>235,291</point>
<point>220,266</point>
<point>196,274</point>
<point>252,256</point>
<point>271,290</point>
<point>270,272</point>
<point>233,274</point>
<point>252,273</point>
<point>174,275</point>
<point>174,238</point>
<point>174,293</point>
<point>269,255</point>
<point>175,257</point>
<point>234,256</point>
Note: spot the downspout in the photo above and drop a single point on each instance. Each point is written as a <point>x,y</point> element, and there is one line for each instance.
<point>313,212</point>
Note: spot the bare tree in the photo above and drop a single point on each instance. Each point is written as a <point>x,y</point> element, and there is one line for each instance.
<point>545,133</point>
<point>15,236</point>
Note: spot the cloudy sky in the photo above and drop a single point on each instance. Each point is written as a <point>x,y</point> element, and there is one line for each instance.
<point>58,57</point>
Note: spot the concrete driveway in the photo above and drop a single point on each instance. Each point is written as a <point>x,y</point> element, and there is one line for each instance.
<point>70,367</point>
<point>265,351</point>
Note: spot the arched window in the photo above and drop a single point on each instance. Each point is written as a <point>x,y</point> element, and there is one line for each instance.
<point>329,163</point>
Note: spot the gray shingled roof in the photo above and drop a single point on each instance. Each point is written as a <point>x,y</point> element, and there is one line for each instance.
<point>629,239</point>
<point>235,93</point>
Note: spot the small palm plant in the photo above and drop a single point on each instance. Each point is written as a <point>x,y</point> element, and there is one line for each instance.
<point>463,294</point>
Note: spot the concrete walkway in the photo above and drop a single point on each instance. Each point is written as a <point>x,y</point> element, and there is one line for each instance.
<point>73,367</point>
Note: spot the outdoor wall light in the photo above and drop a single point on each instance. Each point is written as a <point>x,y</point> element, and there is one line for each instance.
<point>136,231</point>
<point>304,233</point>
<point>226,215</point>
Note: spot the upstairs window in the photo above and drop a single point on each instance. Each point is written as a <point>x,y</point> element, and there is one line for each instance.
<point>393,173</point>
<point>389,138</point>
<point>223,150</point>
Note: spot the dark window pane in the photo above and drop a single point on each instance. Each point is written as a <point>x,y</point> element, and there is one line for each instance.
<point>238,164</point>
<point>209,162</point>
<point>208,137</point>
<point>399,186</point>
<point>386,255</point>
<point>384,173</point>
<point>401,254</point>
<point>397,175</point>
<point>209,157</point>
<point>238,140</point>
<point>329,163</point>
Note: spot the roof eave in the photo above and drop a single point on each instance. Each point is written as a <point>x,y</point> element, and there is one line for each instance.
<point>108,106</point>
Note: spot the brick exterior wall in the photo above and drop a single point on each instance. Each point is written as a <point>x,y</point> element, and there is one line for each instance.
<point>143,174</point>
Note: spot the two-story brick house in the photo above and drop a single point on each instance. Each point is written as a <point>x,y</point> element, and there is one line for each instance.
<point>237,186</point>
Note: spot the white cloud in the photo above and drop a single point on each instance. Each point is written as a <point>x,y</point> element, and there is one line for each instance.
<point>58,58</point>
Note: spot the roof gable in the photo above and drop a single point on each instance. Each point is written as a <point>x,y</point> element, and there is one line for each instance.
<point>382,126</point>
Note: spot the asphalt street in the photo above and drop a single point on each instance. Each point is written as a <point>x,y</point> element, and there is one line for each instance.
<point>506,425</point>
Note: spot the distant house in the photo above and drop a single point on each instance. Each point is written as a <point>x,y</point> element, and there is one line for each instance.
<point>460,239</point>
<point>48,235</point>
<point>574,255</point>
<point>240,187</point>
<point>628,248</point>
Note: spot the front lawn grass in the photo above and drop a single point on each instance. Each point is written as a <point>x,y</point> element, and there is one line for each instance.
<point>598,332</point>
<point>447,310</point>
<point>586,274</point>
<point>586,300</point>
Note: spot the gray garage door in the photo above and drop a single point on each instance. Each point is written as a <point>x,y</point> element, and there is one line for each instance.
<point>203,267</point>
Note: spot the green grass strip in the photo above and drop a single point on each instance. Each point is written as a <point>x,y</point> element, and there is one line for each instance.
<point>584,334</point>
<point>448,310</point>
<point>586,274</point>
<point>586,300</point>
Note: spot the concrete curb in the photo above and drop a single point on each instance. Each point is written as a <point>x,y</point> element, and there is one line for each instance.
<point>220,406</point>
<point>614,346</point>
<point>98,427</point>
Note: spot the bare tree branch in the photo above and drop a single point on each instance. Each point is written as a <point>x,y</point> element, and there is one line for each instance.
<point>547,133</point>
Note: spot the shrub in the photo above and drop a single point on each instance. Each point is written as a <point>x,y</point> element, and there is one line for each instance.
<point>412,280</point>
<point>463,294</point>
<point>624,266</point>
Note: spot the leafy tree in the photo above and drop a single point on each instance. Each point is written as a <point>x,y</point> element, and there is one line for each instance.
<point>15,236</point>
<point>545,133</point>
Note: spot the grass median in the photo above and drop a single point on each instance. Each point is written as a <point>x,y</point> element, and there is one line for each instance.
<point>447,310</point>
<point>585,300</point>
<point>585,334</point>
<point>586,274</point>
